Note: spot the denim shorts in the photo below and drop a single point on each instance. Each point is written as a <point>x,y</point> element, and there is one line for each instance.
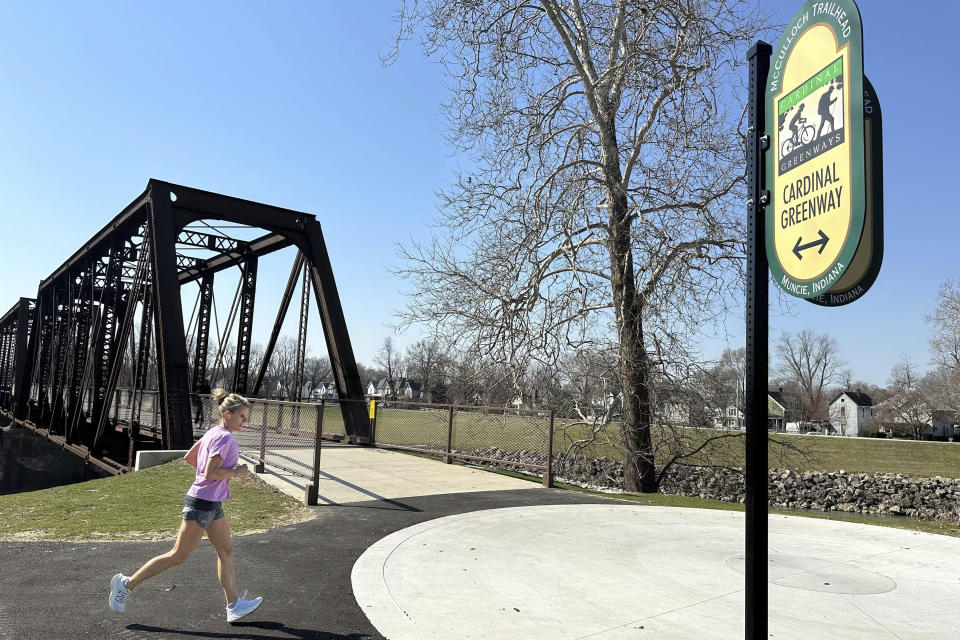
<point>201,511</point>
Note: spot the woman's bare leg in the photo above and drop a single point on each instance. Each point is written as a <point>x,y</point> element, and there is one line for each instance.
<point>187,540</point>
<point>219,534</point>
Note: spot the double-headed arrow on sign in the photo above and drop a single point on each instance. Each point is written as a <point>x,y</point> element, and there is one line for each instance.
<point>822,243</point>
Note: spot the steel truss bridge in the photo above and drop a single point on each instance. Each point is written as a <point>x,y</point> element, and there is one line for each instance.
<point>113,310</point>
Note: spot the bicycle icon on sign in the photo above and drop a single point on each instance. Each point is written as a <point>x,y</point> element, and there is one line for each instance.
<point>804,135</point>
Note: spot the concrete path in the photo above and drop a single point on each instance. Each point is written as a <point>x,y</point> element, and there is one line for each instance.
<point>350,474</point>
<point>405,548</point>
<point>618,572</point>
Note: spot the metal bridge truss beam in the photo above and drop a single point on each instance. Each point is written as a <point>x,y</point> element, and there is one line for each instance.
<point>302,337</point>
<point>221,244</point>
<point>46,317</point>
<point>203,330</point>
<point>248,291</point>
<point>108,342</point>
<point>142,363</point>
<point>6,367</point>
<point>26,344</point>
<point>58,366</point>
<point>83,310</point>
<point>70,343</point>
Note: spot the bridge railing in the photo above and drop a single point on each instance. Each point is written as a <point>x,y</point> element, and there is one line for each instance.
<point>289,436</point>
<point>279,434</point>
<point>518,440</point>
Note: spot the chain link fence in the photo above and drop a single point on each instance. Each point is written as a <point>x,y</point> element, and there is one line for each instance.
<point>288,435</point>
<point>282,435</point>
<point>513,439</point>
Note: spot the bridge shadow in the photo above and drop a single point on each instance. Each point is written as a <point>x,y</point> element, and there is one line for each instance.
<point>359,489</point>
<point>378,501</point>
<point>242,632</point>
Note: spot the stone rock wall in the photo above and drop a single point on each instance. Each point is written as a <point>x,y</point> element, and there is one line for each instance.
<point>880,493</point>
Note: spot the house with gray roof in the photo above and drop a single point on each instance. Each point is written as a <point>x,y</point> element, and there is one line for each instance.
<point>851,413</point>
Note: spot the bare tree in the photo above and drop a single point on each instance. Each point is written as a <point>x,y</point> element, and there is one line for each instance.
<point>256,359</point>
<point>607,194</point>
<point>906,411</point>
<point>945,332</point>
<point>478,382</point>
<point>812,360</point>
<point>725,383</point>
<point>368,374</point>
<point>464,385</point>
<point>391,361</point>
<point>316,370</point>
<point>945,345</point>
<point>222,364</point>
<point>427,363</point>
<point>282,368</point>
<point>591,381</point>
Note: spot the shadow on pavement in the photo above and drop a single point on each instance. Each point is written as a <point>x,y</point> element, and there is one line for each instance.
<point>241,632</point>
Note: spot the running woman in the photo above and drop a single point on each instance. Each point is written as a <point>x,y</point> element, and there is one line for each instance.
<point>215,456</point>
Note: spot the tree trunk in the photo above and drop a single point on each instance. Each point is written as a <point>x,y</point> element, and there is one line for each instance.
<point>639,472</point>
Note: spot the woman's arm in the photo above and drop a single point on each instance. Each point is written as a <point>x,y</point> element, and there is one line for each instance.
<point>215,471</point>
<point>191,456</point>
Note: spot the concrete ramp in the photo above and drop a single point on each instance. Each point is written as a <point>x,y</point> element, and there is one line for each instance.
<point>350,474</point>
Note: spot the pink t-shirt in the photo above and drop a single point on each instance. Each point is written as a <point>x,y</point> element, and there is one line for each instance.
<point>216,440</point>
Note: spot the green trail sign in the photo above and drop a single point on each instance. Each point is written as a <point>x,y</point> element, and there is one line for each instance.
<point>865,266</point>
<point>815,159</point>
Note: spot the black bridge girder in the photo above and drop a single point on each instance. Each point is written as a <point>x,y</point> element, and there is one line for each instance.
<point>62,353</point>
<point>248,291</point>
<point>210,241</point>
<point>203,330</point>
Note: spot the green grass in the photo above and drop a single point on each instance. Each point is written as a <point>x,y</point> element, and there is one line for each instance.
<point>477,430</point>
<point>146,504</point>
<point>879,455</point>
<point>141,505</point>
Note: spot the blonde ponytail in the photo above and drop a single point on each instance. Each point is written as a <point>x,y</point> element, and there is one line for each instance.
<point>228,401</point>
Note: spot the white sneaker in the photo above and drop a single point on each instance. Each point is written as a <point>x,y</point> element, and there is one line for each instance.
<point>119,593</point>
<point>242,607</point>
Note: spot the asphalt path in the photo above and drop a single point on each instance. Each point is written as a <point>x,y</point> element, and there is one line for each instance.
<point>53,590</point>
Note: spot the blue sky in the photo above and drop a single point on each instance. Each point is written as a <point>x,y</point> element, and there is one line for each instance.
<point>287,103</point>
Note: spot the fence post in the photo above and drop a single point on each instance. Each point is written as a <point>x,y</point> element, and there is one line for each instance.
<point>548,472</point>
<point>447,458</point>
<point>263,441</point>
<point>373,423</point>
<point>310,496</point>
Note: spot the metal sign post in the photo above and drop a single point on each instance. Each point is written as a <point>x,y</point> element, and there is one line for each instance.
<point>807,228</point>
<point>755,552</point>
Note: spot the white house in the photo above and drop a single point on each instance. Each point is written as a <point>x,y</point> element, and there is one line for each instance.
<point>903,416</point>
<point>776,411</point>
<point>730,417</point>
<point>378,388</point>
<point>942,423</point>
<point>733,417</point>
<point>851,413</point>
<point>324,391</point>
<point>409,391</point>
